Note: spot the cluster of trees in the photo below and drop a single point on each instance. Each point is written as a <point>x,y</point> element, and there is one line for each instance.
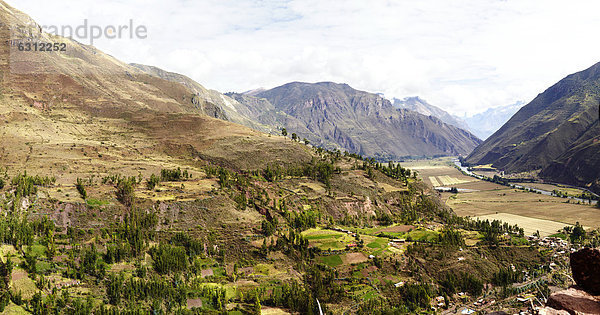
<point>293,296</point>
<point>168,258</point>
<point>114,179</point>
<point>321,279</point>
<point>384,218</point>
<point>411,298</point>
<point>303,220</point>
<point>174,175</point>
<point>162,292</point>
<point>125,187</point>
<point>392,170</point>
<point>5,279</point>
<point>167,175</point>
<point>25,185</point>
<point>584,195</point>
<point>227,178</point>
<point>577,233</point>
<point>451,238</point>
<point>152,182</point>
<point>126,190</point>
<point>60,304</point>
<point>192,246</point>
<point>454,282</point>
<point>318,169</point>
<point>294,136</point>
<point>130,238</point>
<point>91,264</point>
<point>295,243</point>
<point>506,276</point>
<point>491,230</point>
<point>269,228</point>
<point>416,295</point>
<point>16,231</point>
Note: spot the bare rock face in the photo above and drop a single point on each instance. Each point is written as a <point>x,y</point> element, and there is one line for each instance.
<point>574,301</point>
<point>585,265</point>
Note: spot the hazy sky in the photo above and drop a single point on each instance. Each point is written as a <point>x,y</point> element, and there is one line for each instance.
<point>463,56</point>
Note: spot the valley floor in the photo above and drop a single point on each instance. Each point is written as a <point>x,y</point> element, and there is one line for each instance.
<point>486,200</point>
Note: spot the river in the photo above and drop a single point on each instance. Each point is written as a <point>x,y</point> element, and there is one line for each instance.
<point>465,170</point>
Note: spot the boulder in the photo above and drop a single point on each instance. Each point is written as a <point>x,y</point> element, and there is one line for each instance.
<point>585,265</point>
<point>550,311</point>
<point>575,301</point>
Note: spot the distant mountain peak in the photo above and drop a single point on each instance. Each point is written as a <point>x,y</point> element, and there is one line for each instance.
<point>254,91</point>
<point>484,124</point>
<point>421,106</point>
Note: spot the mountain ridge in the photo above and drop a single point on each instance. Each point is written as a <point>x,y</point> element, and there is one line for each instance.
<point>421,106</point>
<point>549,130</point>
<point>341,115</point>
<point>254,109</point>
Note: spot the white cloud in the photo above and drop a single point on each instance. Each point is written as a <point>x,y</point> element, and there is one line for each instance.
<point>464,56</point>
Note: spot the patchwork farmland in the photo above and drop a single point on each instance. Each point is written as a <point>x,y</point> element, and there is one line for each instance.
<point>485,200</point>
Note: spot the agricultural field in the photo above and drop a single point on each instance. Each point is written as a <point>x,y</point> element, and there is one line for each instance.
<point>446,180</point>
<point>373,241</point>
<point>328,239</point>
<point>439,173</point>
<point>549,187</point>
<point>531,211</point>
<point>529,225</point>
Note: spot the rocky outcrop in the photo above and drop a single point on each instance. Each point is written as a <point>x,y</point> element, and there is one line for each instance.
<point>550,311</point>
<point>572,301</point>
<point>585,266</point>
<point>583,298</point>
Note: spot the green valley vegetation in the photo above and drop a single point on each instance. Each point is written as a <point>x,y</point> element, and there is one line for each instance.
<point>165,264</point>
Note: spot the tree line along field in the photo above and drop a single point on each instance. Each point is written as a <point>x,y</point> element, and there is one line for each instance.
<point>487,200</point>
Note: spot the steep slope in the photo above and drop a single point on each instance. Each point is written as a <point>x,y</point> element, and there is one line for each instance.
<point>231,109</point>
<point>337,116</point>
<point>485,124</point>
<point>560,123</point>
<point>580,165</point>
<point>423,107</point>
<point>80,110</point>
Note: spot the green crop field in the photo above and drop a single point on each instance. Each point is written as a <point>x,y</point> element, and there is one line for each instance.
<point>332,261</point>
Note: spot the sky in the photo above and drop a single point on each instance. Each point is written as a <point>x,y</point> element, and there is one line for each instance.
<point>462,55</point>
